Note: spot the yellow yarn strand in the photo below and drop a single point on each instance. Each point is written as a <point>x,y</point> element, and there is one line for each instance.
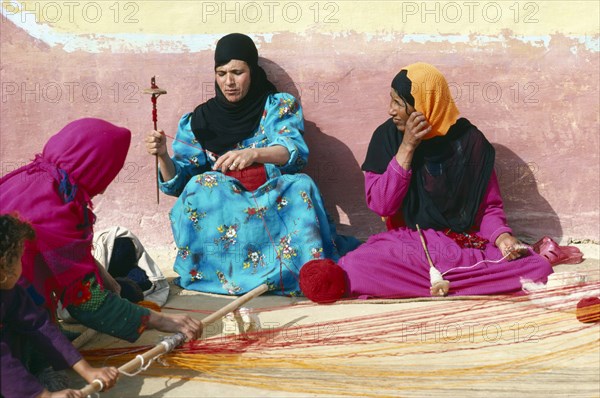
<point>435,346</point>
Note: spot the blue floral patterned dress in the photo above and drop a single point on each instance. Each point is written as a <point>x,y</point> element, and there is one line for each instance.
<point>230,240</point>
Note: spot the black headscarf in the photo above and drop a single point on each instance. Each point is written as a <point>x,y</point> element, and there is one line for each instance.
<point>219,124</point>
<point>450,172</point>
<point>403,87</point>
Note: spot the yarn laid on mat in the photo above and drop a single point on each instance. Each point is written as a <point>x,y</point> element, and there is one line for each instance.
<point>151,305</point>
<point>588,310</point>
<point>474,343</point>
<point>323,281</point>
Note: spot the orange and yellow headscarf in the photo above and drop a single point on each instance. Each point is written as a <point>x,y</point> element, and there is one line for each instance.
<point>426,89</point>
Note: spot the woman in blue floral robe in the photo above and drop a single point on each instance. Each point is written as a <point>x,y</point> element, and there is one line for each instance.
<point>231,239</point>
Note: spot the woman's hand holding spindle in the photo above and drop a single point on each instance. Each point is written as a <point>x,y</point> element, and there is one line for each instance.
<point>510,246</point>
<point>156,144</point>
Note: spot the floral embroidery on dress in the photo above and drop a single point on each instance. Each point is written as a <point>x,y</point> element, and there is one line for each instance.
<point>263,142</point>
<point>306,199</point>
<point>183,252</point>
<point>285,251</point>
<point>287,106</point>
<point>228,235</point>
<point>316,252</point>
<point>195,275</point>
<point>235,188</point>
<point>253,211</point>
<point>259,143</point>
<point>268,187</point>
<point>281,202</point>
<point>270,286</point>
<point>230,287</point>
<point>210,156</point>
<point>194,160</point>
<point>254,259</point>
<point>467,240</point>
<point>78,293</point>
<point>194,217</point>
<point>283,130</point>
<point>207,180</point>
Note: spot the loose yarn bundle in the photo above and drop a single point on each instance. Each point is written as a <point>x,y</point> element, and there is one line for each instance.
<point>441,346</point>
<point>323,281</point>
<point>588,310</point>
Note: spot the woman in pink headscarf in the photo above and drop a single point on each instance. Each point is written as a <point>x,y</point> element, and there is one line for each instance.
<point>54,194</point>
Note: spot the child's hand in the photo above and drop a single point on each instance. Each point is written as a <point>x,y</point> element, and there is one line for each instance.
<point>61,394</point>
<point>108,375</point>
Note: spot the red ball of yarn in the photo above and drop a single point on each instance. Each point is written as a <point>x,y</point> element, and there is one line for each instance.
<point>322,281</point>
<point>588,310</point>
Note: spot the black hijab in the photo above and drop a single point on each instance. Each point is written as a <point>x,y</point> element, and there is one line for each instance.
<point>219,124</point>
<point>450,172</point>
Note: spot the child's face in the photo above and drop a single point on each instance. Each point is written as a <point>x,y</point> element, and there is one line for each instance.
<point>12,272</point>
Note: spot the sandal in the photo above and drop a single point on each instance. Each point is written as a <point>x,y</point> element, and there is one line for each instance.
<point>556,254</point>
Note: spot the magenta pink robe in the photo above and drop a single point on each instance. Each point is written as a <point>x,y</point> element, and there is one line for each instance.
<point>393,263</point>
<point>54,193</point>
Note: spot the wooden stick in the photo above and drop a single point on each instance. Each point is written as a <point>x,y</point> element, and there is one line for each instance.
<point>425,247</point>
<point>156,177</point>
<point>139,362</point>
<point>439,286</point>
<point>234,305</point>
<point>84,337</point>
<point>155,91</point>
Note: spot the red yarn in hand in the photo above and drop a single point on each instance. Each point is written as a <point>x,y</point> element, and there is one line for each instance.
<point>322,281</point>
<point>588,310</point>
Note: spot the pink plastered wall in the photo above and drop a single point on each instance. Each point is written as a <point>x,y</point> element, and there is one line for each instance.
<point>538,105</point>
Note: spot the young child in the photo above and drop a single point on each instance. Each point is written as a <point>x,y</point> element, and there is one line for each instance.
<point>23,323</point>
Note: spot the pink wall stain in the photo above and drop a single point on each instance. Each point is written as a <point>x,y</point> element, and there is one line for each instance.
<point>538,106</point>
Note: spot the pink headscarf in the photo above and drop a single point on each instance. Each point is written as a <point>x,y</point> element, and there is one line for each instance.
<point>54,194</point>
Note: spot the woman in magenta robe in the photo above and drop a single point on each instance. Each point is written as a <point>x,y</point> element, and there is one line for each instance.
<point>426,166</point>
<point>54,193</point>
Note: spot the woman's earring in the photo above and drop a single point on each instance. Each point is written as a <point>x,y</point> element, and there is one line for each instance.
<point>4,279</point>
